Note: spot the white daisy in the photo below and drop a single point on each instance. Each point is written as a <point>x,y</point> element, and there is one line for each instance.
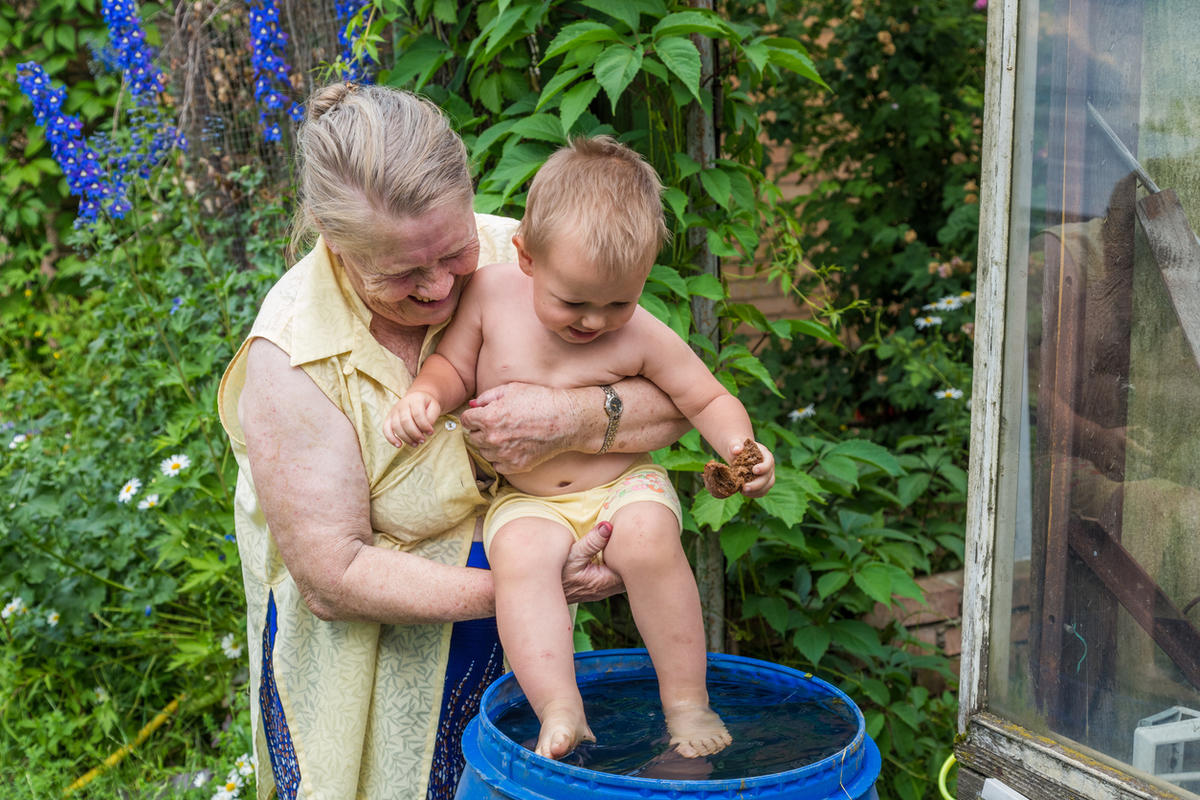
<point>966,297</point>
<point>948,303</point>
<point>12,608</point>
<point>948,394</point>
<point>797,414</point>
<point>52,619</point>
<point>244,765</point>
<point>224,794</point>
<point>233,783</point>
<point>101,694</point>
<point>230,647</point>
<point>927,321</point>
<point>129,490</point>
<point>175,464</point>
<point>202,777</point>
<point>17,440</point>
<point>150,502</point>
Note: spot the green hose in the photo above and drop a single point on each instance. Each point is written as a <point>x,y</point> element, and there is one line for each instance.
<point>942,777</point>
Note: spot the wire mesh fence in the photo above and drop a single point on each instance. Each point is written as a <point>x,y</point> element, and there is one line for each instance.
<point>207,58</point>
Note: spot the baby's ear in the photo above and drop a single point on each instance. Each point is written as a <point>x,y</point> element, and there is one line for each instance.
<point>524,260</point>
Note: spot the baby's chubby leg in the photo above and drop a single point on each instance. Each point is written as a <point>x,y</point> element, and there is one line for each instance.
<point>527,558</point>
<point>646,552</point>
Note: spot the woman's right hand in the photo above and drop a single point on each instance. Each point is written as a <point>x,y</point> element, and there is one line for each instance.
<point>583,579</point>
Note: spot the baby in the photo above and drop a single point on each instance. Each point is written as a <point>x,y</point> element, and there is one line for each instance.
<point>567,315</point>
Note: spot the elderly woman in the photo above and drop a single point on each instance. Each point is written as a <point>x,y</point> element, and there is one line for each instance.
<point>367,593</point>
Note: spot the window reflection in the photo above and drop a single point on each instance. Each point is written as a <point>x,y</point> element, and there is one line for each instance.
<point>1101,641</point>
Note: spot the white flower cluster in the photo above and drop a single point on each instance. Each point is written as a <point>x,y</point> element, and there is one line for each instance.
<point>169,466</point>
<point>235,781</point>
<point>18,440</point>
<point>13,608</point>
<point>951,302</point>
<point>17,608</point>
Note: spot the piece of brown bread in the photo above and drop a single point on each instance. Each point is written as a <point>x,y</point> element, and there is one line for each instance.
<point>722,481</point>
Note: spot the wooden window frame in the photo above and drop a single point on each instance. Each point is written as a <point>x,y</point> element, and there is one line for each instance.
<point>1037,766</point>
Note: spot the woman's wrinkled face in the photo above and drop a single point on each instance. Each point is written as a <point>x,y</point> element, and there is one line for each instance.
<point>419,265</point>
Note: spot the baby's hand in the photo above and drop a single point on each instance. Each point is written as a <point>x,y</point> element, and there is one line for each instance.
<point>411,419</point>
<point>763,472</point>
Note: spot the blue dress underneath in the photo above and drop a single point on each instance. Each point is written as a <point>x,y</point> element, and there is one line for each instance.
<point>475,661</point>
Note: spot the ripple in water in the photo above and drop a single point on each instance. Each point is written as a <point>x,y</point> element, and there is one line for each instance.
<point>772,731</point>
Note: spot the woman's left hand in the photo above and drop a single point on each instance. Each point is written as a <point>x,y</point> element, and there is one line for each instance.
<point>517,426</point>
<point>583,579</point>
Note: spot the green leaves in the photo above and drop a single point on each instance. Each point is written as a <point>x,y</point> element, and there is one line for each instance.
<point>576,34</point>
<point>576,101</point>
<point>683,59</point>
<point>682,23</point>
<point>616,69</point>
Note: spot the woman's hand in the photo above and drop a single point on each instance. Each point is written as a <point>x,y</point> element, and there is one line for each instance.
<point>583,579</point>
<point>517,426</point>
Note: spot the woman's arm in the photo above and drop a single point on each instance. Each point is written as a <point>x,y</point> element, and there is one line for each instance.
<point>519,425</point>
<point>308,472</point>
<point>311,484</point>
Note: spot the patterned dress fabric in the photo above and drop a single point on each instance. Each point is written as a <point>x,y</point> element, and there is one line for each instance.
<point>475,661</point>
<point>360,701</point>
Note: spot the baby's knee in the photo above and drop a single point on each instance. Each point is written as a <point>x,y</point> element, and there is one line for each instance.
<point>647,528</point>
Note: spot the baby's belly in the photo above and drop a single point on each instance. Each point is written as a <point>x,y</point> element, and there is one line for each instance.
<point>572,472</point>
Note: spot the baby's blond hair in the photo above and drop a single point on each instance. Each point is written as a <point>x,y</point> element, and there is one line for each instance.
<point>604,193</point>
<point>371,155</point>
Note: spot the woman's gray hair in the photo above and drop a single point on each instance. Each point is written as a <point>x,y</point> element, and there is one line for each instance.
<point>368,155</point>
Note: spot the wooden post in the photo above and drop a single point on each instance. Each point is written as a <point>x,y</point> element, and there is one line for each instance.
<point>702,147</point>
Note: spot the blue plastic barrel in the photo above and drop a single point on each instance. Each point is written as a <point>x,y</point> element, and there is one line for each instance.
<point>497,768</point>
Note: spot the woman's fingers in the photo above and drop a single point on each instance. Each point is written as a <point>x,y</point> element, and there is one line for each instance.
<point>583,579</point>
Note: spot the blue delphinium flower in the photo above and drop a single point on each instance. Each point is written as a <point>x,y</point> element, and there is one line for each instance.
<point>128,51</point>
<point>271,81</point>
<point>97,168</point>
<point>80,162</point>
<point>355,69</point>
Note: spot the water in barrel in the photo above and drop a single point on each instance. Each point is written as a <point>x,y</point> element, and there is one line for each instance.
<point>774,728</point>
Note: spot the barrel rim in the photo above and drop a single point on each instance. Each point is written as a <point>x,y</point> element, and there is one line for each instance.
<point>858,754</point>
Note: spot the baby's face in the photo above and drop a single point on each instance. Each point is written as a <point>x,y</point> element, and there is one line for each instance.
<point>576,301</point>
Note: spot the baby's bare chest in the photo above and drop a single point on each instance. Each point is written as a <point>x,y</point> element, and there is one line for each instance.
<point>517,347</point>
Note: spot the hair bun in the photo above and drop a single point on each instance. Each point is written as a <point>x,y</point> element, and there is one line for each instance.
<point>327,98</point>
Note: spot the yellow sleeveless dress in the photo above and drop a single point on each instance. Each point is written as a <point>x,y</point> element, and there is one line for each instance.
<point>358,701</point>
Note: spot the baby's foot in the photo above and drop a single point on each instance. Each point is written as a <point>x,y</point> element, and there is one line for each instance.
<point>562,729</point>
<point>696,730</point>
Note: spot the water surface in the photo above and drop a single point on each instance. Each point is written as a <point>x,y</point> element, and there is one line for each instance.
<point>774,729</point>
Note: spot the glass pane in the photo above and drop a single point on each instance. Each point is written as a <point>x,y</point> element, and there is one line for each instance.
<point>1096,635</point>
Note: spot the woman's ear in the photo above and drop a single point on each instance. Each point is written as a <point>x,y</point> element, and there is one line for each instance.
<point>524,260</point>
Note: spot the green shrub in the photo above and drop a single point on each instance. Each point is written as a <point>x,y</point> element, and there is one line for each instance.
<point>147,591</point>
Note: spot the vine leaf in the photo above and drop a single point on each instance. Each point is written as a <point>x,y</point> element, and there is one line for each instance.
<point>616,68</point>
<point>683,59</point>
<point>579,33</point>
<point>687,22</point>
<point>717,185</point>
<point>562,78</point>
<point>812,642</point>
<point>576,101</point>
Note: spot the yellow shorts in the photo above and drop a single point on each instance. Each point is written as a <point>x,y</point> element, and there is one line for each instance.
<point>579,512</point>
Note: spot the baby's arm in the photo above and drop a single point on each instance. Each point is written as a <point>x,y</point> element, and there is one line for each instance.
<point>719,416</point>
<point>446,379</point>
